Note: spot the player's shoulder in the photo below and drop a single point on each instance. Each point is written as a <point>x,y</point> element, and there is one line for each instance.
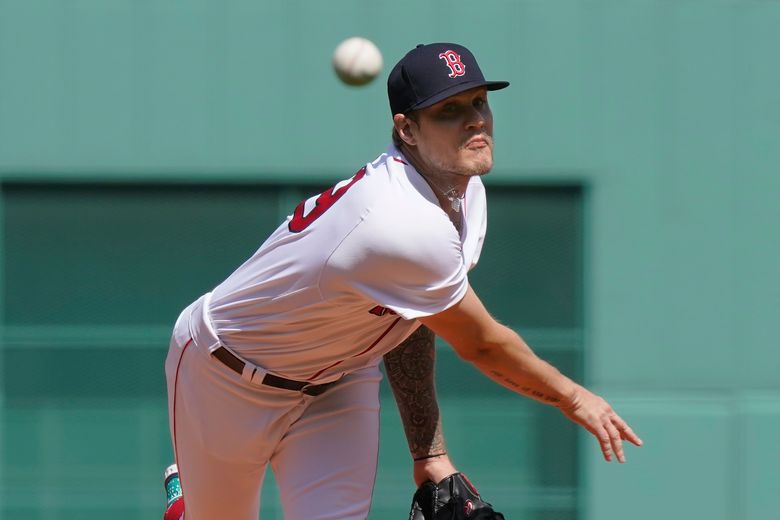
<point>404,229</point>
<point>408,231</point>
<point>387,160</point>
<point>405,198</point>
<point>382,172</point>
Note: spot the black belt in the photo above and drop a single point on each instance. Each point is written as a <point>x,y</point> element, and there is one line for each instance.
<point>234,363</point>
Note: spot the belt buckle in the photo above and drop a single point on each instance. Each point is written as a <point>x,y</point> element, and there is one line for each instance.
<point>313,390</point>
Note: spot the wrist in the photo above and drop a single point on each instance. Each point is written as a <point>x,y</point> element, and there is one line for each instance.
<point>431,456</point>
<point>571,397</point>
<point>435,469</point>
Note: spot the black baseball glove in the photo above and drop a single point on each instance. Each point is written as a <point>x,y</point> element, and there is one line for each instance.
<point>454,498</point>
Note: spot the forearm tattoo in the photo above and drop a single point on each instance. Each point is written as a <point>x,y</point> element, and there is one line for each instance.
<point>410,370</point>
<point>524,389</point>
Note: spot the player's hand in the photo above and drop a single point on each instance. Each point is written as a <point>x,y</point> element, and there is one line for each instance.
<point>596,415</point>
<point>434,469</point>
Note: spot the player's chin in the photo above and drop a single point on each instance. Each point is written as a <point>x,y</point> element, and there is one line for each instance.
<point>478,162</point>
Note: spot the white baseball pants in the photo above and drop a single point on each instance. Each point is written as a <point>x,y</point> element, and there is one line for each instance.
<point>225,431</point>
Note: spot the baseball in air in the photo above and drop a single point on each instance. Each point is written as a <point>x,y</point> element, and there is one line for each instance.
<point>357,61</point>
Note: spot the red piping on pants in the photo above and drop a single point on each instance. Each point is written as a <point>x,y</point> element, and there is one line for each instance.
<point>175,387</point>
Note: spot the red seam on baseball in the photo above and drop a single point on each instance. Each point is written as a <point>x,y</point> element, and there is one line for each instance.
<point>355,57</point>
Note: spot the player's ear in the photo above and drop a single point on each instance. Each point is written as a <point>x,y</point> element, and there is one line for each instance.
<point>403,126</point>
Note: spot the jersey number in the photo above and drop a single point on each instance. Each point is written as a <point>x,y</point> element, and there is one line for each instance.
<point>327,198</point>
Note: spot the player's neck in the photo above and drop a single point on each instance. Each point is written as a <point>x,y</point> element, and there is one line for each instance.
<point>450,195</point>
<point>449,187</point>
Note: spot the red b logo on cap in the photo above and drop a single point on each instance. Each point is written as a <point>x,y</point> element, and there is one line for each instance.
<point>452,59</point>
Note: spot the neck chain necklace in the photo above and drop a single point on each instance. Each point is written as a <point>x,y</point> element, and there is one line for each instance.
<point>452,194</point>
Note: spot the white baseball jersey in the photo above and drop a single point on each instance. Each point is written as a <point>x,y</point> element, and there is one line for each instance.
<point>341,282</point>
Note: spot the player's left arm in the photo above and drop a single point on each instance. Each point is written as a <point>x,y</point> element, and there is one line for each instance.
<point>410,371</point>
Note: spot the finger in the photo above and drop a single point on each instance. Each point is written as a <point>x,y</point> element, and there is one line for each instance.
<point>626,432</point>
<point>616,442</point>
<point>605,442</point>
<point>629,435</point>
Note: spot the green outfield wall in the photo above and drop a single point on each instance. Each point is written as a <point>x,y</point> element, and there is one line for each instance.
<point>147,148</point>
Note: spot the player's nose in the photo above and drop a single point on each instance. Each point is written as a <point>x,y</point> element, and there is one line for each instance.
<point>477,118</point>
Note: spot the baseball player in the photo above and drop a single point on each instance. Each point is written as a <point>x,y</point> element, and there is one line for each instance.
<point>278,364</point>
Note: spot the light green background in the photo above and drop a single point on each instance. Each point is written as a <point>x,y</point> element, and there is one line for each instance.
<point>667,112</point>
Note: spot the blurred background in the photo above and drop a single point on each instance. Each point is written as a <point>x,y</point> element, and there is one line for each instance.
<point>147,148</point>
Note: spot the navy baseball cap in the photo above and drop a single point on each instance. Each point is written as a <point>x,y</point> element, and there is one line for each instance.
<point>433,72</point>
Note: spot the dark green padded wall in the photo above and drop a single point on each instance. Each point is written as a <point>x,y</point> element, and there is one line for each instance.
<point>95,275</point>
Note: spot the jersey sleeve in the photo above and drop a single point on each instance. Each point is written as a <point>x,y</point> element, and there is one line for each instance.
<point>413,267</point>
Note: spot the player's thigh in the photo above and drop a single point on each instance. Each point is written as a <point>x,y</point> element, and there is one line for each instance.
<point>326,465</point>
<point>214,488</point>
<point>224,432</point>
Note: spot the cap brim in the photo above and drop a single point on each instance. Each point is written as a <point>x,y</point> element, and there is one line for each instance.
<point>457,89</point>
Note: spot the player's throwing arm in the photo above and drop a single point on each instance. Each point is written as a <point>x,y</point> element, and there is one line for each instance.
<point>503,356</point>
